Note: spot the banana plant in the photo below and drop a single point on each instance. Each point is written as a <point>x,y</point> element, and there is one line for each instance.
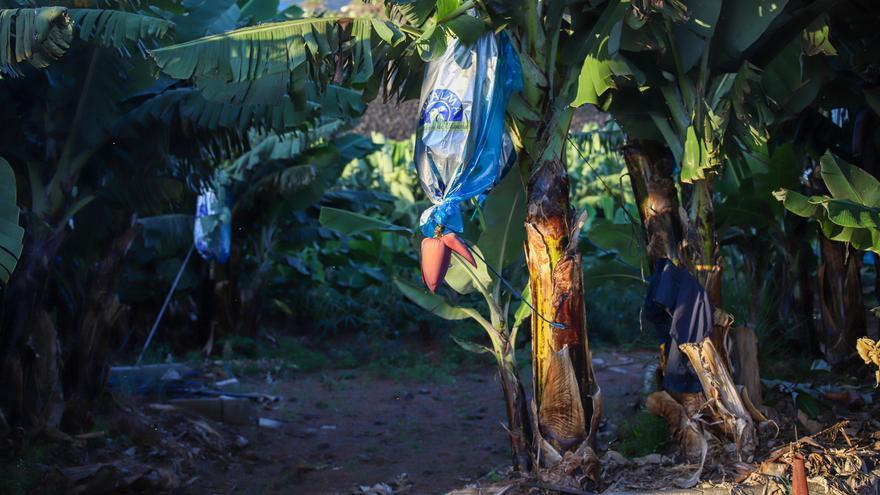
<point>281,174</point>
<point>696,86</point>
<point>850,213</point>
<point>344,63</point>
<point>682,74</point>
<point>495,252</point>
<point>85,65</point>
<point>835,73</point>
<point>849,222</point>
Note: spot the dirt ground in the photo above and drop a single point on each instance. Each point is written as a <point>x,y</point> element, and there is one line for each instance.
<point>340,430</point>
<point>347,432</point>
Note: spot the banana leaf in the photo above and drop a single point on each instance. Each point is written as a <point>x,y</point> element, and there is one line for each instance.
<point>11,233</point>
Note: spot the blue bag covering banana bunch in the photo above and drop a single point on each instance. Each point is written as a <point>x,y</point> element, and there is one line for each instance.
<point>462,146</point>
<point>212,230</point>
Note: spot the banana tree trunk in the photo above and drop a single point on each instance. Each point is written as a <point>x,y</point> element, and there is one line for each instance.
<point>206,310</point>
<point>688,242</point>
<point>227,294</point>
<point>841,300</point>
<point>28,341</point>
<point>251,310</point>
<point>86,367</point>
<point>650,166</point>
<point>567,397</point>
<point>706,259</point>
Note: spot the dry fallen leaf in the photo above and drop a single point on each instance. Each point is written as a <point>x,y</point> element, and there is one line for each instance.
<point>869,351</point>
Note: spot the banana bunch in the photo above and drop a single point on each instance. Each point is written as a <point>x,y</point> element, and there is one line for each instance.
<point>869,351</point>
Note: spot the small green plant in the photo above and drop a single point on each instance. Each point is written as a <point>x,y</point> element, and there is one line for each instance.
<point>642,435</point>
<point>241,346</point>
<point>409,365</point>
<point>301,358</point>
<point>496,475</point>
<point>193,357</point>
<point>19,476</point>
<point>157,353</point>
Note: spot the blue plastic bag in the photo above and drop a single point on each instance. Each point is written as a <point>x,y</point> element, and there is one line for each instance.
<point>212,229</point>
<point>462,147</point>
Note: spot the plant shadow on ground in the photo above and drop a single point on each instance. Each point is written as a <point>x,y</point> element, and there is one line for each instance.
<point>438,361</point>
<point>432,360</point>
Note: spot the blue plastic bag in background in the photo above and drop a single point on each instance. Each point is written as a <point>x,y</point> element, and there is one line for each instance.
<point>462,147</point>
<point>212,230</point>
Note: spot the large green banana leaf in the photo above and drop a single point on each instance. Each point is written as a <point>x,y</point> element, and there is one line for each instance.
<point>503,216</point>
<point>351,223</point>
<point>36,36</point>
<point>41,35</point>
<point>851,213</point>
<point>116,29</point>
<point>287,146</point>
<point>283,57</point>
<point>11,233</point>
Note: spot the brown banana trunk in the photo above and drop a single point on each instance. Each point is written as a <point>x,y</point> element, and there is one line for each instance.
<point>567,397</point>
<point>841,300</point>
<point>227,294</point>
<point>650,168</point>
<point>29,344</point>
<point>689,243</point>
<point>86,369</point>
<point>206,311</point>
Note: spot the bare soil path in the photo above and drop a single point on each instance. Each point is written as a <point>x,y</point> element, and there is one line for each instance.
<point>340,430</point>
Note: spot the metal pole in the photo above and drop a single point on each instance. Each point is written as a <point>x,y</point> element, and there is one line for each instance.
<point>164,306</point>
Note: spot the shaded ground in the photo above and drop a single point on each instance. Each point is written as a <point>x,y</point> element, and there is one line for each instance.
<point>336,431</point>
<point>341,429</point>
<point>348,432</point>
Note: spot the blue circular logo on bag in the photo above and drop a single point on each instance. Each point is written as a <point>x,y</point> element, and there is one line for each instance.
<point>442,105</point>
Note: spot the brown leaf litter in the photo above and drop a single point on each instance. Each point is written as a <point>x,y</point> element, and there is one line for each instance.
<point>843,459</point>
<point>167,442</point>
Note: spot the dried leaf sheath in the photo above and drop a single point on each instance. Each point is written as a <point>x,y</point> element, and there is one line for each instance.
<point>562,414</point>
<point>723,397</point>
